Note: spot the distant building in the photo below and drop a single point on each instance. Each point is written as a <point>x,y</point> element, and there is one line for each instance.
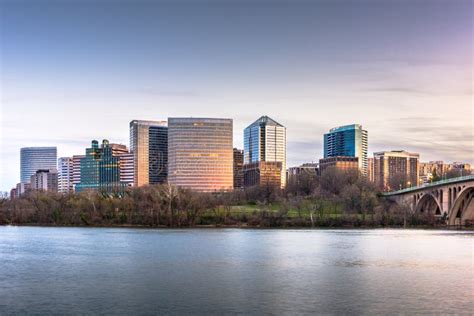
<point>306,168</point>
<point>347,141</point>
<point>13,194</point>
<point>200,153</point>
<point>35,158</point>
<point>22,188</point>
<point>464,168</point>
<point>396,168</point>
<point>100,169</point>
<point>45,180</point>
<point>340,162</point>
<point>370,169</point>
<point>149,145</point>
<point>265,141</point>
<point>127,169</point>
<point>238,168</point>
<point>428,170</point>
<point>263,174</point>
<point>125,162</point>
<point>76,170</point>
<point>65,175</point>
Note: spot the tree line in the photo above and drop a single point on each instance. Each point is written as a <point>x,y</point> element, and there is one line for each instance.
<point>335,199</point>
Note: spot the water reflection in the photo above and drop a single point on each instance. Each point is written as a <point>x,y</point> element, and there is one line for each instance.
<point>142,271</point>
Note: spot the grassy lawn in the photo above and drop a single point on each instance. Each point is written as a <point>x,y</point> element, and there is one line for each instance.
<point>329,209</point>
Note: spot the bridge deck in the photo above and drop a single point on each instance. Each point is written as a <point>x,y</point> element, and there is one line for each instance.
<point>430,185</point>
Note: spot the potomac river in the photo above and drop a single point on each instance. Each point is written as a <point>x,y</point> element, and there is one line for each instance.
<point>235,271</point>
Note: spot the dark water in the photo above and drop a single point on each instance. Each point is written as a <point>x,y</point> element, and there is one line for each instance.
<point>136,271</point>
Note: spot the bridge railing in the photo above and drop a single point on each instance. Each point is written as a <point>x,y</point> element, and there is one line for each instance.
<point>432,184</point>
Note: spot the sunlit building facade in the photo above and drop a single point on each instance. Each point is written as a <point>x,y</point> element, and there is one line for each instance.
<point>370,169</point>
<point>348,141</point>
<point>396,168</point>
<point>265,140</point>
<point>341,163</point>
<point>200,153</point>
<point>149,145</point>
<point>263,174</point>
<point>35,158</point>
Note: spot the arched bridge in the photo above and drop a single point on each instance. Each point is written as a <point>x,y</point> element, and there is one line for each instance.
<point>452,198</point>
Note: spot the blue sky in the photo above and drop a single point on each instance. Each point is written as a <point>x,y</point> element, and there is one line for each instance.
<point>72,71</point>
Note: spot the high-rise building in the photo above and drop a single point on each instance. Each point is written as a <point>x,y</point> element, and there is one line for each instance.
<point>35,158</point>
<point>45,180</point>
<point>340,163</point>
<point>200,153</point>
<point>265,140</point>
<point>238,171</point>
<point>65,175</point>
<point>149,145</point>
<point>347,141</point>
<point>100,169</point>
<point>76,170</point>
<point>396,169</point>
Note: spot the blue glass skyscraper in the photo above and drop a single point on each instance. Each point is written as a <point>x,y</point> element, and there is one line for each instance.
<point>348,141</point>
<point>35,158</point>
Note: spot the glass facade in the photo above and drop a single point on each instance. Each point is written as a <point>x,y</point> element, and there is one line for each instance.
<point>265,140</point>
<point>200,153</point>
<point>347,141</point>
<point>149,145</point>
<point>100,169</point>
<point>35,158</point>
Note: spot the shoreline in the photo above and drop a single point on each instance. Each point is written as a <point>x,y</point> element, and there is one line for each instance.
<point>198,227</point>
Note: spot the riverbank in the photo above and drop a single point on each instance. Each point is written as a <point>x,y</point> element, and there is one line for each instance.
<point>246,226</point>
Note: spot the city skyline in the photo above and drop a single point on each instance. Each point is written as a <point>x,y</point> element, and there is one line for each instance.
<point>336,66</point>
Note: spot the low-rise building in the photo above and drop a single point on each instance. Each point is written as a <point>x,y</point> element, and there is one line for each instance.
<point>263,173</point>
<point>343,163</point>
<point>45,180</point>
<point>310,168</point>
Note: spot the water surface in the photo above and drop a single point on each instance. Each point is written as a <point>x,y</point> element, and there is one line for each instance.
<point>141,271</point>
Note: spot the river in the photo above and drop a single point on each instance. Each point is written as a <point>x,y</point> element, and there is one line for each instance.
<point>235,271</point>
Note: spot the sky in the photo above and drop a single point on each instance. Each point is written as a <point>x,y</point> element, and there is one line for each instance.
<point>73,71</point>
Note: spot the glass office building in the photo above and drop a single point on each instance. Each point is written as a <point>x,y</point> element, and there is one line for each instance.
<point>200,153</point>
<point>33,159</point>
<point>149,145</point>
<point>265,140</point>
<point>347,141</point>
<point>100,169</point>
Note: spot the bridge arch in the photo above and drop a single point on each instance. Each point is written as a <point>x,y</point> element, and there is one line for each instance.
<point>428,203</point>
<point>463,207</point>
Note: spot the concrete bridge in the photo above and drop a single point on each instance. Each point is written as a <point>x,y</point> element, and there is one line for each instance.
<point>452,198</point>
